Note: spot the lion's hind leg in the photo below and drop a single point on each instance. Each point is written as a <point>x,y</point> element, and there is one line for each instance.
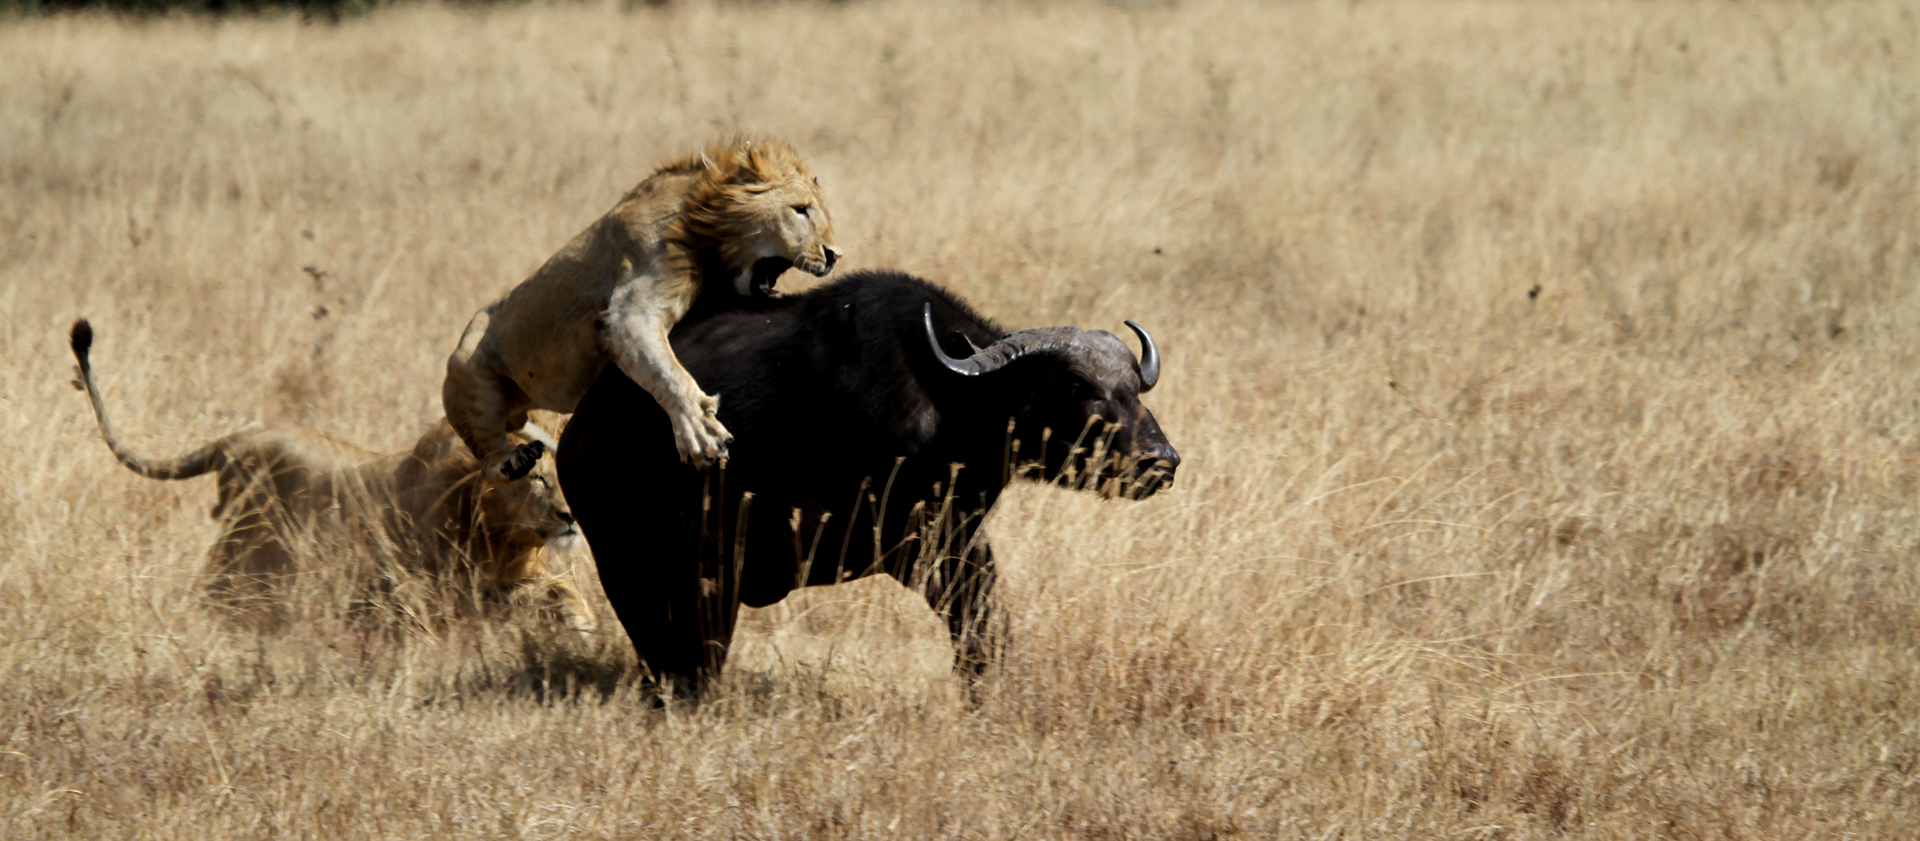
<point>485,406</point>
<point>248,569</point>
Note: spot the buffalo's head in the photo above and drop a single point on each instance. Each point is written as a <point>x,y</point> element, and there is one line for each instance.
<point>1074,396</point>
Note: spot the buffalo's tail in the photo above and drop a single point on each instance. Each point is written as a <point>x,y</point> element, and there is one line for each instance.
<point>193,464</point>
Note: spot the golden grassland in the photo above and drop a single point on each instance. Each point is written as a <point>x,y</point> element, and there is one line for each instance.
<point>1544,374</point>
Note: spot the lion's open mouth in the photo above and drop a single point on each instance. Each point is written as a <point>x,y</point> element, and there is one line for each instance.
<point>766,272</point>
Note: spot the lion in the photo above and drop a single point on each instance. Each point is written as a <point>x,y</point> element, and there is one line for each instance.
<point>431,507</point>
<point>742,211</point>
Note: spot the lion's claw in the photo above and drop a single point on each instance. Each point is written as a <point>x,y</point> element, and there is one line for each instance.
<point>701,438</point>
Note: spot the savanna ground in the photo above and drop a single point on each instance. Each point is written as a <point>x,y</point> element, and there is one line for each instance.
<point>1544,374</point>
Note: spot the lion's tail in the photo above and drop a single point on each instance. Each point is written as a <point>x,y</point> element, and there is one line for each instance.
<point>193,464</point>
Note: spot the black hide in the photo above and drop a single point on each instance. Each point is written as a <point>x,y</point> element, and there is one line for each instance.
<point>840,412</point>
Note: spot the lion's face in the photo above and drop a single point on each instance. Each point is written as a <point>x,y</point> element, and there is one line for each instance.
<point>531,510</point>
<point>765,211</point>
<point>793,229</point>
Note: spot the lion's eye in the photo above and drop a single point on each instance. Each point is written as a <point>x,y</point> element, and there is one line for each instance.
<point>800,209</point>
<point>541,479</point>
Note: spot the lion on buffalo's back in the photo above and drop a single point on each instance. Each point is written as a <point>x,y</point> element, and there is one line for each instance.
<point>728,219</point>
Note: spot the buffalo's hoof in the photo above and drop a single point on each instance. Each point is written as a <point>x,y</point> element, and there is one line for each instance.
<point>523,459</point>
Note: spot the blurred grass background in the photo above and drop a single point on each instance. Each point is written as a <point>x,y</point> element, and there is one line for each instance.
<point>1543,373</point>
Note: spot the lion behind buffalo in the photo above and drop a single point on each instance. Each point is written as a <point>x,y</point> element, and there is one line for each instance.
<point>293,495</point>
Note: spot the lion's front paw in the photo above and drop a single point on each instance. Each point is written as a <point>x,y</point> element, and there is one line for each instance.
<point>522,460</point>
<point>701,438</point>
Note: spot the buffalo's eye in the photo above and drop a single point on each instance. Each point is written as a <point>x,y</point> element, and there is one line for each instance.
<point>800,209</point>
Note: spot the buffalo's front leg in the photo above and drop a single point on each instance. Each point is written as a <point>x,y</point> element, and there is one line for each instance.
<point>961,588</point>
<point>720,557</point>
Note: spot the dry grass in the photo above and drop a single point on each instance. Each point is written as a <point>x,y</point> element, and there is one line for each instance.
<point>1544,374</point>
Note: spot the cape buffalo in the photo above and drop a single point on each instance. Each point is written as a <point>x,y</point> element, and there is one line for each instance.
<point>876,420</point>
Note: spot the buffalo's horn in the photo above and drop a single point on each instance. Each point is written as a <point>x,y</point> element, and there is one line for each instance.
<point>964,367</point>
<point>998,355</point>
<point>1149,358</point>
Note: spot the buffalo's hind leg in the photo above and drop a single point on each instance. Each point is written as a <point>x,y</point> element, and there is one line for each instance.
<point>647,539</point>
<point>696,573</point>
<point>647,567</point>
<point>629,500</point>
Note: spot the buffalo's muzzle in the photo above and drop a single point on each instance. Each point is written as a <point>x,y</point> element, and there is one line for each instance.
<point>1153,472</point>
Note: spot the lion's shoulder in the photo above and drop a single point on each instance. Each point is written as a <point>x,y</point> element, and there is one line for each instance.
<point>647,210</point>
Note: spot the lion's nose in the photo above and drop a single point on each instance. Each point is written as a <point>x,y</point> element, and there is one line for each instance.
<point>566,516</point>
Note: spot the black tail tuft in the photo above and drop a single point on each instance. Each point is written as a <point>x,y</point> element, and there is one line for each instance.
<point>82,337</point>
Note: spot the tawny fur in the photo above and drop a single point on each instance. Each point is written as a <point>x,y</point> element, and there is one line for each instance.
<point>431,508</point>
<point>614,291</point>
